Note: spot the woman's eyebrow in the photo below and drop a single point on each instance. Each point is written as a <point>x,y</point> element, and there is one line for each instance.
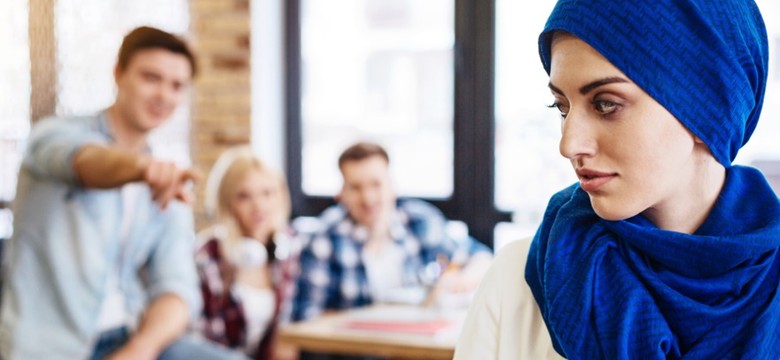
<point>601,82</point>
<point>555,88</point>
<point>593,85</point>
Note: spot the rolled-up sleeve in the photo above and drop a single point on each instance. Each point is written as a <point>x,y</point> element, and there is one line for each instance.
<point>52,145</point>
<point>172,263</point>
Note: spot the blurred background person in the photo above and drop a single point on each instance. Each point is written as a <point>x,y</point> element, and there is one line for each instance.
<point>246,260</point>
<point>372,247</point>
<point>98,265</point>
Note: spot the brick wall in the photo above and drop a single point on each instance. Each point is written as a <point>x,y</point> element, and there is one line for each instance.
<point>221,98</point>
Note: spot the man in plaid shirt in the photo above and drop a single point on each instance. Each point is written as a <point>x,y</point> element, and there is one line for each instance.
<point>371,247</point>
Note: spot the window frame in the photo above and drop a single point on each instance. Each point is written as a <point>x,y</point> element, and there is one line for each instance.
<point>472,200</point>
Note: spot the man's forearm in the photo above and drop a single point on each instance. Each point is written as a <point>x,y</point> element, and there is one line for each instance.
<point>164,321</point>
<point>105,167</point>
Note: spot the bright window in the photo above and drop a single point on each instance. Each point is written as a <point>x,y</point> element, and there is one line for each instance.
<point>14,100</point>
<point>88,33</point>
<point>380,71</point>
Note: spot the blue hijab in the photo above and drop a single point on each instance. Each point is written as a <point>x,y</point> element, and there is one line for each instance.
<point>627,289</point>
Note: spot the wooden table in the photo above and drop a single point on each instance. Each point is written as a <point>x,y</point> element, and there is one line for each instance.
<point>392,332</point>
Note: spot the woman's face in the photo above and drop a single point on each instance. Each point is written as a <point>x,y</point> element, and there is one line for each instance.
<point>256,203</point>
<point>630,154</point>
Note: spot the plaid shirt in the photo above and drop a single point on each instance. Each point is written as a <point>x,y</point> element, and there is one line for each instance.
<point>332,272</point>
<point>222,319</point>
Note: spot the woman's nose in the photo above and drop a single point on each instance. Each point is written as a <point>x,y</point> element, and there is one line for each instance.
<point>257,202</point>
<point>578,138</point>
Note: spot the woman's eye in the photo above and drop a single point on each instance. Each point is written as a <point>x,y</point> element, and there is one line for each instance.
<point>604,106</point>
<point>563,109</point>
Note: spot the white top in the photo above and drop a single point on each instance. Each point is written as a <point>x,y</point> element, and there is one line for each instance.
<point>384,272</point>
<point>112,310</point>
<point>383,267</point>
<point>504,321</point>
<point>259,306</point>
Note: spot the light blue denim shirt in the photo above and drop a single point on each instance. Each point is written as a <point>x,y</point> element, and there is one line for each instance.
<point>66,243</point>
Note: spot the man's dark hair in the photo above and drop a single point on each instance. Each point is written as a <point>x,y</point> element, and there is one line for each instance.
<point>146,37</point>
<point>362,151</point>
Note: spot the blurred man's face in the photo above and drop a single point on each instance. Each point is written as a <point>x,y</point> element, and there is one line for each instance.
<point>367,192</point>
<point>151,87</point>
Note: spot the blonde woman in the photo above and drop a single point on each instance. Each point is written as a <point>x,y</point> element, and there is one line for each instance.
<point>245,260</point>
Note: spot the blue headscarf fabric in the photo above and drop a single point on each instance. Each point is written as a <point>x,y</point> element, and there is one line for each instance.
<point>627,289</point>
<point>705,61</point>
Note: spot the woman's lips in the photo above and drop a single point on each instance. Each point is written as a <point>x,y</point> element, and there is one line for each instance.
<point>592,180</point>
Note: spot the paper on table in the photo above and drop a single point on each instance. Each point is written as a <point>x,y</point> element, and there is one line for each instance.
<point>412,327</point>
<point>420,321</point>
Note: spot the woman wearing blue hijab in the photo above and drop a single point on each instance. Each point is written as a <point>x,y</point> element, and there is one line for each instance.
<point>664,249</point>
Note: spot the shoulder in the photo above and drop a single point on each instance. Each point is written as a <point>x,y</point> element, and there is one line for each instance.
<point>510,259</point>
<point>333,223</point>
<point>64,123</point>
<point>504,320</point>
<point>289,244</point>
<point>313,235</point>
<point>415,208</point>
<point>331,217</point>
<point>71,132</point>
<point>209,238</point>
<point>504,281</point>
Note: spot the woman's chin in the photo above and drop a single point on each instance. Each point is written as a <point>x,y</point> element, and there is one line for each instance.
<point>611,212</point>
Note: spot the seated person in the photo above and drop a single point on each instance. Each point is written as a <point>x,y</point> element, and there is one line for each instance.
<point>245,261</point>
<point>370,243</point>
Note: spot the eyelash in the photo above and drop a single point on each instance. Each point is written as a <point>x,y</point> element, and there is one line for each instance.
<point>557,105</point>
<point>595,103</point>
